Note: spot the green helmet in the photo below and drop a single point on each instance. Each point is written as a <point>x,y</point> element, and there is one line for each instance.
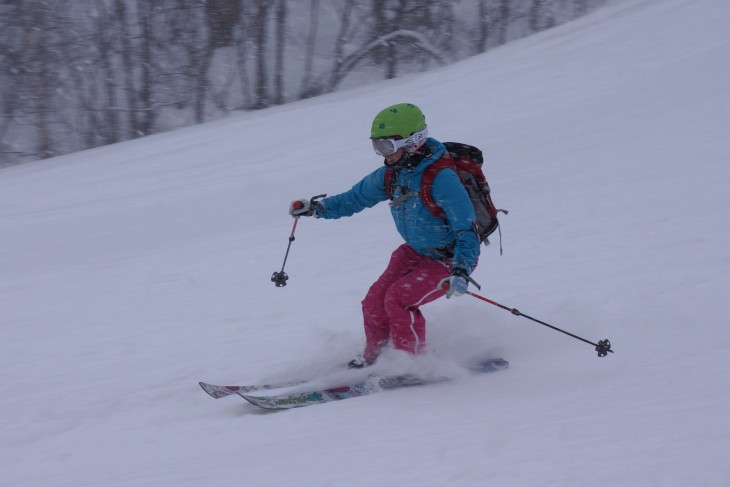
<point>403,119</point>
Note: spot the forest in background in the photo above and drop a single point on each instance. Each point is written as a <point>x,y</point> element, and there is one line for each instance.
<point>85,73</point>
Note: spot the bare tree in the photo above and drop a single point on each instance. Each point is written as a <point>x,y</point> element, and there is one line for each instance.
<point>485,25</point>
<point>306,90</point>
<point>128,61</point>
<point>40,81</point>
<point>580,7</point>
<point>201,54</point>
<point>504,12</point>
<point>245,43</point>
<point>281,18</point>
<point>221,20</point>
<point>342,38</point>
<point>106,39</point>
<point>260,34</point>
<point>349,62</point>
<point>32,55</point>
<point>431,19</point>
<point>541,15</point>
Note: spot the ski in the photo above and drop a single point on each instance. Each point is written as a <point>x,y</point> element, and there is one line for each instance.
<point>216,391</point>
<point>373,384</point>
<point>288,401</point>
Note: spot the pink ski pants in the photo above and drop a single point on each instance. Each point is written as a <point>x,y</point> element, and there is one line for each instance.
<point>391,308</point>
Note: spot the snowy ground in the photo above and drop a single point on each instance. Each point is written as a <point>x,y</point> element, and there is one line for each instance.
<point>130,272</point>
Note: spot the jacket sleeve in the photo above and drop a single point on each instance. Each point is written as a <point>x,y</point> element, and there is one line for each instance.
<point>449,193</point>
<point>367,193</point>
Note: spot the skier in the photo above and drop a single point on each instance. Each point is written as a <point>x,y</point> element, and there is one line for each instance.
<point>436,251</point>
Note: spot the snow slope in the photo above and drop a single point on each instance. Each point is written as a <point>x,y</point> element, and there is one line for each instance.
<point>130,272</point>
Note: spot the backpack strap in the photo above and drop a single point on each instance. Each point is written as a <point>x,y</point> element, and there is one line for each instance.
<point>389,181</point>
<point>427,179</point>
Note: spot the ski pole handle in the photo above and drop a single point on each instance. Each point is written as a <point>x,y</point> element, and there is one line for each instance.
<point>297,205</point>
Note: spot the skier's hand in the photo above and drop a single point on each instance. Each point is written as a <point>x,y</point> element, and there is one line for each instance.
<point>302,207</point>
<point>456,284</point>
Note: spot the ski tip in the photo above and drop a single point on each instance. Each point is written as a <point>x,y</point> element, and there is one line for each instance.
<point>217,392</point>
<point>209,389</point>
<point>490,365</point>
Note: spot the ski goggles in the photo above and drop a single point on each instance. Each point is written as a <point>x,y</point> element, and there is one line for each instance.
<point>389,146</point>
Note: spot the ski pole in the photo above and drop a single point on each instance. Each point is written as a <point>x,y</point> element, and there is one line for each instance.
<point>602,347</point>
<point>279,278</point>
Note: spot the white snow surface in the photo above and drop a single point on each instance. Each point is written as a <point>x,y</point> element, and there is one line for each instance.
<point>130,272</point>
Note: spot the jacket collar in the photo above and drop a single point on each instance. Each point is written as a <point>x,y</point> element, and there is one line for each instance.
<point>432,151</point>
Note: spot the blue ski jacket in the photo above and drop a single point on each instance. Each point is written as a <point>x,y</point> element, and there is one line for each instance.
<point>429,235</point>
